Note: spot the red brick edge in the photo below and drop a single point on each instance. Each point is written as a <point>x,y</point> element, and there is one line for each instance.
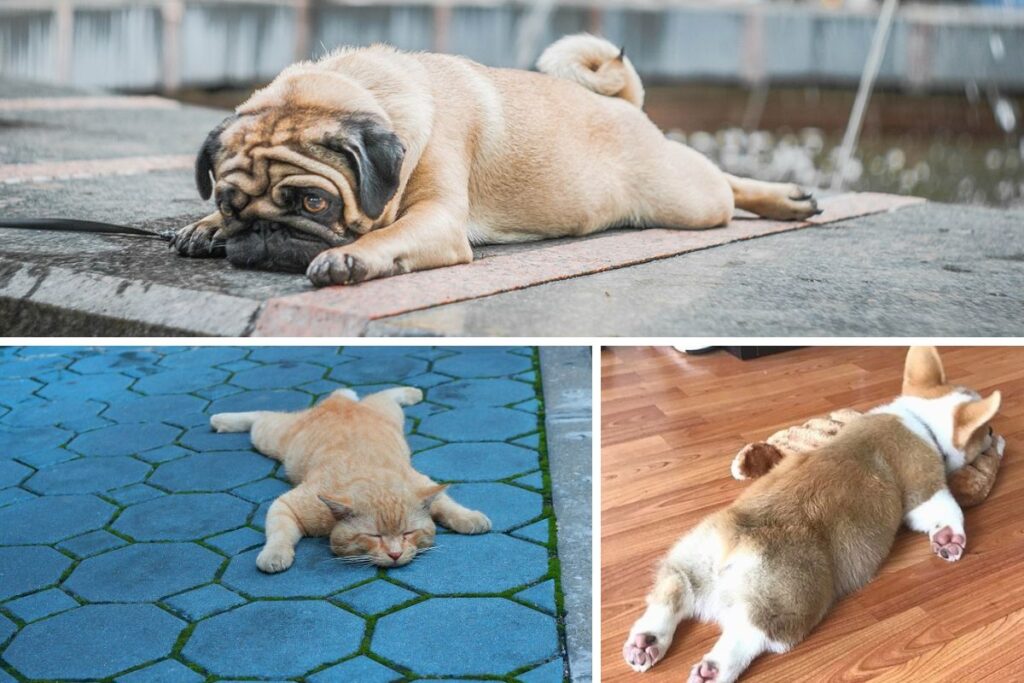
<point>346,311</point>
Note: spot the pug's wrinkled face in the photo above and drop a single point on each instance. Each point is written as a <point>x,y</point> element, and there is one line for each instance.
<point>297,177</point>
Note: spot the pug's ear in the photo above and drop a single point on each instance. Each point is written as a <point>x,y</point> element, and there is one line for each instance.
<point>376,154</point>
<point>207,158</point>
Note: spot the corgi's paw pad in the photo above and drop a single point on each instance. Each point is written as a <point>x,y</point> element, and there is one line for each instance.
<point>642,651</point>
<point>948,545</point>
<point>703,672</point>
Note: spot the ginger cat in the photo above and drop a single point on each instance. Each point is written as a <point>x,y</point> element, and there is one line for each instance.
<point>354,480</point>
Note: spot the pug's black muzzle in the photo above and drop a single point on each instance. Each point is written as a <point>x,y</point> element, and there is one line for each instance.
<point>273,246</point>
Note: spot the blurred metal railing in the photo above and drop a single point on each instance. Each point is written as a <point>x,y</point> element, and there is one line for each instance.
<point>167,44</point>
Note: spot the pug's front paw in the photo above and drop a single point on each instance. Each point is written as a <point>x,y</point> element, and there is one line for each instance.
<point>341,266</point>
<point>197,240</point>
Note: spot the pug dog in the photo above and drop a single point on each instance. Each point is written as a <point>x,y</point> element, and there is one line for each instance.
<point>373,162</point>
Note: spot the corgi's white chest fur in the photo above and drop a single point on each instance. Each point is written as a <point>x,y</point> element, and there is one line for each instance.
<point>931,419</point>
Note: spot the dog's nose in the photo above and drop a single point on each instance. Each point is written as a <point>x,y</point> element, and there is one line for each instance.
<point>395,556</point>
<point>231,201</point>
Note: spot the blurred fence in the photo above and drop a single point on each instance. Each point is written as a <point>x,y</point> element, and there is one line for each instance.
<point>168,44</point>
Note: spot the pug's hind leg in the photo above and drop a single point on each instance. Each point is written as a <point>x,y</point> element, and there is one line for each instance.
<point>197,239</point>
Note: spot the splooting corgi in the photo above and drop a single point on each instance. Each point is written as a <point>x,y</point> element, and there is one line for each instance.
<point>818,526</point>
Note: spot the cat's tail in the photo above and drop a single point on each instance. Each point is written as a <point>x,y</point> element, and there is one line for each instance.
<point>594,63</point>
<point>235,422</point>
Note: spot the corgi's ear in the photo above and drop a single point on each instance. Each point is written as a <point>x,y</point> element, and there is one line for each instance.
<point>341,510</point>
<point>427,494</point>
<point>922,370</point>
<point>972,416</point>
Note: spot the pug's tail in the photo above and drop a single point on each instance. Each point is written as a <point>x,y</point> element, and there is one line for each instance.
<point>594,63</point>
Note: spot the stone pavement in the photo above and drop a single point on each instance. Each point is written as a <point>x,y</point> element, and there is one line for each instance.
<point>871,265</point>
<point>128,529</point>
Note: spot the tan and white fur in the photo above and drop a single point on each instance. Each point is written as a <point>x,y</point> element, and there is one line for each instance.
<point>818,526</point>
<point>354,480</point>
<point>451,154</point>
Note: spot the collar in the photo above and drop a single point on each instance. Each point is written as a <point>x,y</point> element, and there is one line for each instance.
<point>931,435</point>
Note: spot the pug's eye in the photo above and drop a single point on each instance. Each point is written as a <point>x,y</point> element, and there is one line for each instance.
<point>314,203</point>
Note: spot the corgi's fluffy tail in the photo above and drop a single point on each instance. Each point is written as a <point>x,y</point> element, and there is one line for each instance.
<point>594,63</point>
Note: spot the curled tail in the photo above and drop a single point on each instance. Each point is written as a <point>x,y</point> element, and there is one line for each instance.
<point>595,64</point>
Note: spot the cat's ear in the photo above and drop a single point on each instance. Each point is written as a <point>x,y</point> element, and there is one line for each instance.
<point>341,511</point>
<point>427,494</point>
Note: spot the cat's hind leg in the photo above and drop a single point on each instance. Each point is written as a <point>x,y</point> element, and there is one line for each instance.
<point>458,518</point>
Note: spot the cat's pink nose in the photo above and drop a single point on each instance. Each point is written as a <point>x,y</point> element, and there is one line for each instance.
<point>395,556</point>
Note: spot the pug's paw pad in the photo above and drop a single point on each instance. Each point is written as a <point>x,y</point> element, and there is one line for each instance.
<point>703,672</point>
<point>948,545</point>
<point>642,651</point>
<point>334,267</point>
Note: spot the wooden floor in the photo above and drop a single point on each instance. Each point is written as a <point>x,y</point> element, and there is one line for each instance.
<point>671,425</point>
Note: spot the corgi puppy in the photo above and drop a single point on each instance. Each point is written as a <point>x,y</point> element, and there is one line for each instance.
<point>818,526</point>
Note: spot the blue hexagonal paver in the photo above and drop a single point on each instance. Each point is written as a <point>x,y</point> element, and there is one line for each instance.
<point>164,454</point>
<point>262,490</point>
<point>136,493</point>
<point>12,473</point>
<point>124,439</point>
<point>181,409</point>
<point>203,438</point>
<point>107,360</point>
<point>278,376</point>
<point>481,392</point>
<point>48,520</point>
<point>375,597</point>
<point>282,638</point>
<point>60,412</point>
<point>13,391</point>
<point>96,641</point>
<point>92,543</point>
<point>538,531</point>
<point>260,400</point>
<point>14,494</point>
<point>88,475</point>
<point>212,471</point>
<point>420,637</point>
<point>167,671</point>
<point>362,669</point>
<point>27,368</point>
<point>478,424</point>
<point>316,572</point>
<point>379,370</point>
<point>507,506</point>
<point>542,595</point>
<point>324,355</point>
<point>202,602</point>
<point>41,604</point>
<point>29,568</point>
<point>7,627</point>
<point>474,461</point>
<point>465,564</point>
<point>100,387</point>
<point>552,672</point>
<point>143,572</point>
<point>234,542</point>
<point>202,356</point>
<point>178,382</point>
<point>17,443</point>
<point>484,363</point>
<point>183,517</point>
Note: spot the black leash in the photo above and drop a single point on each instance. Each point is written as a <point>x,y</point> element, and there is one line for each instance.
<point>75,225</point>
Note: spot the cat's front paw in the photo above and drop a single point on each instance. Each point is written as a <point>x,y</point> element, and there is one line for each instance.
<point>273,560</point>
<point>470,522</point>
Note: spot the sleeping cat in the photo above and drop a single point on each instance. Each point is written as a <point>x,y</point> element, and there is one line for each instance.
<point>354,480</point>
